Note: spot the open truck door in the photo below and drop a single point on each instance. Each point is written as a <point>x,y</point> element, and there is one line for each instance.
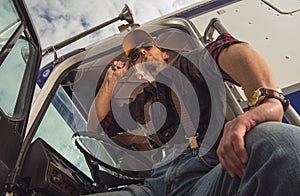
<point>20,57</point>
<point>26,167</point>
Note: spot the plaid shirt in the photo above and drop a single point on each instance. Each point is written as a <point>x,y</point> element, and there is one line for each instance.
<point>151,95</point>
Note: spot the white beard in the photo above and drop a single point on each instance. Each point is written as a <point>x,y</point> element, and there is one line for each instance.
<point>149,70</point>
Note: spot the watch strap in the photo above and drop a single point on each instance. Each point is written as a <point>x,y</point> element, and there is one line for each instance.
<point>262,93</point>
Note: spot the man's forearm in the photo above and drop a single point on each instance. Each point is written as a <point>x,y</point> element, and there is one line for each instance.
<point>102,100</point>
<point>103,97</point>
<point>250,70</point>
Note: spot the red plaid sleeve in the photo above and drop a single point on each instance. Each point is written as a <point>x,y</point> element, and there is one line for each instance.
<point>223,41</point>
<point>110,126</point>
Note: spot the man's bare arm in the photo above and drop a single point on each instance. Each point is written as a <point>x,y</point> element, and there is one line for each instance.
<point>250,70</point>
<point>101,104</point>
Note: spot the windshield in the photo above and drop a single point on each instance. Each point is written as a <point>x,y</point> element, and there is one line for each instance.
<point>71,104</point>
<point>59,124</point>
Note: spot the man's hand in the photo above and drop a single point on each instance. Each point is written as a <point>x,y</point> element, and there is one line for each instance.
<point>231,151</point>
<point>116,71</point>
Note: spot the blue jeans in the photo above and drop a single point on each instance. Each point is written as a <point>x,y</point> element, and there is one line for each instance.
<point>273,169</point>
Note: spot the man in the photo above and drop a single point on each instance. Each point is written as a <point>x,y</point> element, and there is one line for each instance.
<point>256,155</point>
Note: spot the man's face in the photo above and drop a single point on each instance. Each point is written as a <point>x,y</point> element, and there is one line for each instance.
<point>146,52</point>
<point>147,60</point>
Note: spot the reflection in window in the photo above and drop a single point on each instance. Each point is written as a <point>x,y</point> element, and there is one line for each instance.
<point>9,21</point>
<point>11,75</point>
<point>57,127</point>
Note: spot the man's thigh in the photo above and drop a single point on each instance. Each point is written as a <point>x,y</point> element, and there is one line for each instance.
<point>270,145</point>
<point>216,182</point>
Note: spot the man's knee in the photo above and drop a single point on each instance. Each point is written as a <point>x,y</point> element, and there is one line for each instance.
<point>273,137</point>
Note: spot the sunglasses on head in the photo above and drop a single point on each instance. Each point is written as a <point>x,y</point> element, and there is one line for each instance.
<point>135,54</point>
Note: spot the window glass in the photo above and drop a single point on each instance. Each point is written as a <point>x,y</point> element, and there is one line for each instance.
<point>11,77</point>
<point>9,21</point>
<point>58,126</point>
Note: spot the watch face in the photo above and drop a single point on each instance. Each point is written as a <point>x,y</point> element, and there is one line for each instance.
<point>255,97</point>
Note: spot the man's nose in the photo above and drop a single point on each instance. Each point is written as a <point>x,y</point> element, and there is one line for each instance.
<point>143,51</point>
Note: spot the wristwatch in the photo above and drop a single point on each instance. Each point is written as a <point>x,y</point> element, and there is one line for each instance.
<point>262,93</point>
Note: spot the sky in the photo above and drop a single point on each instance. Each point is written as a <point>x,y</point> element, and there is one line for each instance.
<point>58,20</point>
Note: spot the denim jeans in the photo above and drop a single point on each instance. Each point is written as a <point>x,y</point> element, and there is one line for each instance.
<point>273,169</point>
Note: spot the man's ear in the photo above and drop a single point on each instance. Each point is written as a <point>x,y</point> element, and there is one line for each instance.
<point>166,56</point>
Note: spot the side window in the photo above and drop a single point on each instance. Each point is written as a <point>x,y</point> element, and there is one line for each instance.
<point>11,74</point>
<point>19,57</point>
<point>9,21</point>
<point>13,67</point>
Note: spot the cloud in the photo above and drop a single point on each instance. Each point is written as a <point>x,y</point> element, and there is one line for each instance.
<point>58,20</point>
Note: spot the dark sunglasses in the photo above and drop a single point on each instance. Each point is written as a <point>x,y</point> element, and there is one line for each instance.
<point>135,54</point>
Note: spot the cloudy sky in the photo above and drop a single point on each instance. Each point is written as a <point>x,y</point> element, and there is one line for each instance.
<point>60,19</point>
